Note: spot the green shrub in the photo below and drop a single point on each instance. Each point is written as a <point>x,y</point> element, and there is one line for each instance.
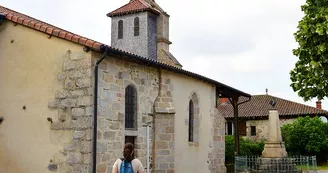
<point>306,136</point>
<point>247,148</point>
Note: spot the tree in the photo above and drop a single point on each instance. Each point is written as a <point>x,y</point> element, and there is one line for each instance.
<point>310,75</point>
<point>307,136</point>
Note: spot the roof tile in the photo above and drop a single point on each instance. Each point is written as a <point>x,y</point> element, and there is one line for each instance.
<point>56,32</point>
<point>259,106</point>
<point>75,38</point>
<point>133,6</point>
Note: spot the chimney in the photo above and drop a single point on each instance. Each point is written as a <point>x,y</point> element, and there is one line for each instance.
<point>223,100</point>
<point>318,103</point>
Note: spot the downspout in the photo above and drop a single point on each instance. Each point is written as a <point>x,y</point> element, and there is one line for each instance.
<point>95,112</point>
<point>2,18</point>
<point>154,119</point>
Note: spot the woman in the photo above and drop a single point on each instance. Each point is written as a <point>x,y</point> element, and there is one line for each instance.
<point>128,163</point>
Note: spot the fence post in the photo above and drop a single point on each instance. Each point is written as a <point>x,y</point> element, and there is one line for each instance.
<point>307,164</point>
<point>277,166</point>
<point>235,170</point>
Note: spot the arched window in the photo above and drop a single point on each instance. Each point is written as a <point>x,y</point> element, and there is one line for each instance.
<point>136,26</point>
<point>191,121</point>
<point>120,29</point>
<point>130,108</point>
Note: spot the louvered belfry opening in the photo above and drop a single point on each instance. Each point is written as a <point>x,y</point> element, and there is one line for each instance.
<point>130,108</point>
<point>120,29</point>
<point>136,26</point>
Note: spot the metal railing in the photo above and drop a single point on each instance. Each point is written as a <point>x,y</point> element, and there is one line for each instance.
<point>294,164</point>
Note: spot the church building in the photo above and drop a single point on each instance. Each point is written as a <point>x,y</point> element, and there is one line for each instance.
<point>70,103</point>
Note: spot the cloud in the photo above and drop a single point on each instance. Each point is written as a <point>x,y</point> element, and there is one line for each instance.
<point>244,44</point>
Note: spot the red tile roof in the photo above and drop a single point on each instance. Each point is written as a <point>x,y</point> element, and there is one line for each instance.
<point>134,6</point>
<point>47,28</point>
<point>258,107</point>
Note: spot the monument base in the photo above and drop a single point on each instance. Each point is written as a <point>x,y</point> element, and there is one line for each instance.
<point>274,150</point>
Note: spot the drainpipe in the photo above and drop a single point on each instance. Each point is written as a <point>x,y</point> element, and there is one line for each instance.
<point>2,18</point>
<point>95,112</point>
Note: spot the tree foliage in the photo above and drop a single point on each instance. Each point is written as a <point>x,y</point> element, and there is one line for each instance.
<point>307,136</point>
<point>310,75</point>
<point>247,148</point>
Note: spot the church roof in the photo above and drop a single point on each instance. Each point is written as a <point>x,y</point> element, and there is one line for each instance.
<point>258,107</point>
<point>135,6</point>
<point>47,28</point>
<point>27,21</point>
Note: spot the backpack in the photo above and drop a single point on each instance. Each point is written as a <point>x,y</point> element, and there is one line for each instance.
<point>126,167</point>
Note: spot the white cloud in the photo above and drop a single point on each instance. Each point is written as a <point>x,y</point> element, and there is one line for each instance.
<point>245,44</point>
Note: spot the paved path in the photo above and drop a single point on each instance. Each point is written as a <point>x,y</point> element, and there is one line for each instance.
<point>323,171</point>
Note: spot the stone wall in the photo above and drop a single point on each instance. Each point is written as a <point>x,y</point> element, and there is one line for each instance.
<point>164,143</point>
<point>152,36</point>
<point>164,128</point>
<point>73,104</point>
<point>262,127</point>
<point>114,76</point>
<point>216,151</point>
<point>134,44</point>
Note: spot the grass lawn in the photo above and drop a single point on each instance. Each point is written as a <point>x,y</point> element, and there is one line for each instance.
<point>319,167</point>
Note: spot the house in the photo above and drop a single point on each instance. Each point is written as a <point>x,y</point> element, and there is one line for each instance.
<point>69,103</point>
<point>253,115</point>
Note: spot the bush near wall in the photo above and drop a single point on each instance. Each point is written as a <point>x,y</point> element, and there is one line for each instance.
<point>307,136</point>
<point>247,148</point>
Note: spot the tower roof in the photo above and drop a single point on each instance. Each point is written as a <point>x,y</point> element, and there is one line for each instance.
<point>135,6</point>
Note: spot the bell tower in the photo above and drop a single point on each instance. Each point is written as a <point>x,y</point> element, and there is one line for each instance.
<point>141,27</point>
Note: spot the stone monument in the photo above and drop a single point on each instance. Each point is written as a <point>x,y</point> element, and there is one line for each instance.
<point>274,146</point>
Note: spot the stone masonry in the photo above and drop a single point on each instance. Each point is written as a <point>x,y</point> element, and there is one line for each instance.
<point>114,76</point>
<point>164,118</point>
<point>216,150</point>
<point>73,104</point>
<point>164,143</point>
<point>155,108</point>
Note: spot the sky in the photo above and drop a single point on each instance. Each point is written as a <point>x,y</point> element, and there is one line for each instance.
<point>244,44</point>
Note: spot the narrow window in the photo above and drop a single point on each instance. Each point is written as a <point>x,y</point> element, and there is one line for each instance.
<point>191,121</point>
<point>253,130</point>
<point>120,29</point>
<point>136,26</point>
<point>130,108</point>
<point>230,128</point>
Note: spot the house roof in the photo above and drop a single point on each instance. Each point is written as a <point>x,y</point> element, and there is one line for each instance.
<point>135,6</point>
<point>51,30</point>
<point>258,107</point>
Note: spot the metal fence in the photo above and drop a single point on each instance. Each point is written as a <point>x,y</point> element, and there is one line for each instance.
<point>295,164</point>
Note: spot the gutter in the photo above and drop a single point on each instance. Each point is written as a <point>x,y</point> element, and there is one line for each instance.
<point>104,49</point>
